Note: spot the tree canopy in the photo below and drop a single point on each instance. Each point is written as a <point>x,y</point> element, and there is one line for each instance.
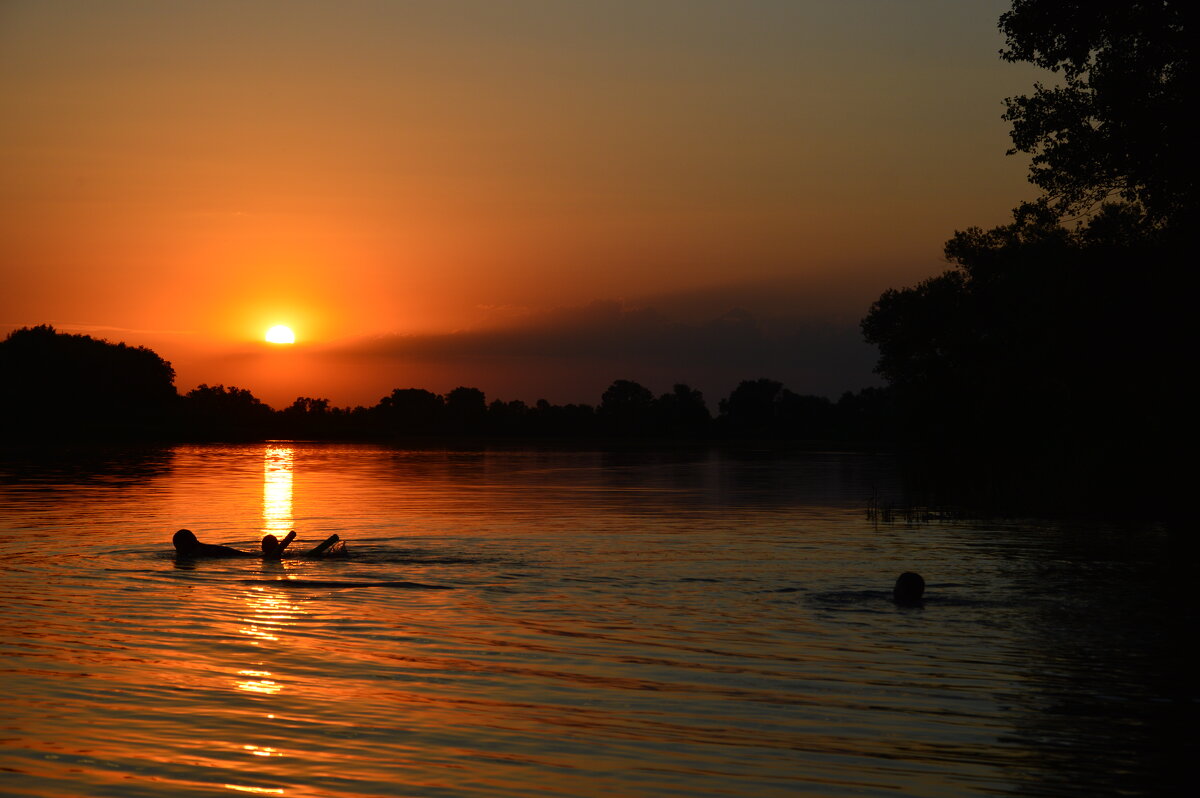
<point>55,384</point>
<point>1043,369</point>
<point>1117,123</point>
<point>1047,355</point>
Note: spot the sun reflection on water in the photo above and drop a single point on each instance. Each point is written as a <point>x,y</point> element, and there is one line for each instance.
<point>277,490</point>
<point>262,750</point>
<point>261,684</point>
<point>268,613</point>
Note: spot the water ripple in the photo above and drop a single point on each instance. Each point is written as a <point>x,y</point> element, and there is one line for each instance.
<point>630,628</point>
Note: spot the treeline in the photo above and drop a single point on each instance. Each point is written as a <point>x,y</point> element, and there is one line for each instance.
<point>60,386</point>
<point>758,409</point>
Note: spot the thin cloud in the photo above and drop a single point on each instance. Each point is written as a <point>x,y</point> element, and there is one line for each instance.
<point>78,327</point>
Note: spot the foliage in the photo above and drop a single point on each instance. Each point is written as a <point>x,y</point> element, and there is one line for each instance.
<point>74,386</point>
<point>1044,368</point>
<point>765,408</point>
<point>1045,354</point>
<point>681,413</point>
<point>55,385</point>
<point>219,413</point>
<point>410,411</point>
<point>626,408</point>
<point>1118,122</point>
<point>466,410</point>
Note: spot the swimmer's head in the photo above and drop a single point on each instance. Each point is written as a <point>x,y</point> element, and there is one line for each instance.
<point>910,586</point>
<point>185,540</point>
<point>270,547</point>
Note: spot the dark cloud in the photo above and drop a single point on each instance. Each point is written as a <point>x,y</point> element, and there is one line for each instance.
<point>571,354</point>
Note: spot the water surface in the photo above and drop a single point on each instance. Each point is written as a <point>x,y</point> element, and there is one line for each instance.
<point>632,623</point>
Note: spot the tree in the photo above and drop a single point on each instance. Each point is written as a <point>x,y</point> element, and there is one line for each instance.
<point>626,408</point>
<point>867,416</point>
<point>1047,355</point>
<point>305,406</point>
<point>217,412</point>
<point>682,413</point>
<point>466,410</point>
<point>1047,364</point>
<point>309,418</point>
<point>754,406</point>
<point>765,408</point>
<point>411,411</point>
<point>1118,122</point>
<point>508,418</point>
<point>55,384</point>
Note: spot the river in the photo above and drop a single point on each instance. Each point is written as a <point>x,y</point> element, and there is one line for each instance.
<point>570,623</point>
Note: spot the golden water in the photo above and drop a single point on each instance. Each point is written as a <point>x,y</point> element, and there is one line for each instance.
<point>629,623</point>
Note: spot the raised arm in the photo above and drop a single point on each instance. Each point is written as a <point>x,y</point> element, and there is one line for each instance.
<point>322,547</point>
<point>287,541</point>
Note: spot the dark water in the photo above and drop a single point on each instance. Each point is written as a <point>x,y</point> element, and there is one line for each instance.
<point>614,624</point>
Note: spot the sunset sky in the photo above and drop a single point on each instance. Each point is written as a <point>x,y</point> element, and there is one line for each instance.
<point>532,198</point>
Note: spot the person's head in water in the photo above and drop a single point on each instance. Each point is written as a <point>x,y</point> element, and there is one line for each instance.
<point>272,547</point>
<point>188,547</point>
<point>910,586</point>
<point>185,540</point>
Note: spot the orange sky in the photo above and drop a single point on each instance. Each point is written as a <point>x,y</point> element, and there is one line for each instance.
<point>434,194</point>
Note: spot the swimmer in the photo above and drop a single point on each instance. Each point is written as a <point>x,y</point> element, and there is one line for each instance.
<point>186,545</point>
<point>272,548</point>
<point>910,586</point>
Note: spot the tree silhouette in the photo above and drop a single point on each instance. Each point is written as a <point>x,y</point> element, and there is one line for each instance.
<point>1043,369</point>
<point>411,411</point>
<point>466,411</point>
<point>60,385</point>
<point>306,406</point>
<point>508,418</point>
<point>753,407</point>
<point>1118,123</point>
<point>626,408</point>
<point>764,408</point>
<point>219,413</point>
<point>1040,358</point>
<point>682,413</point>
<point>867,416</point>
<point>73,386</point>
<point>311,418</point>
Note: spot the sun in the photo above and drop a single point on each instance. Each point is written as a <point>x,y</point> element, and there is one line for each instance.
<point>279,334</point>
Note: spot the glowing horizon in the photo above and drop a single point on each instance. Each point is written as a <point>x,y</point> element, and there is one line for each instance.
<point>411,171</point>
